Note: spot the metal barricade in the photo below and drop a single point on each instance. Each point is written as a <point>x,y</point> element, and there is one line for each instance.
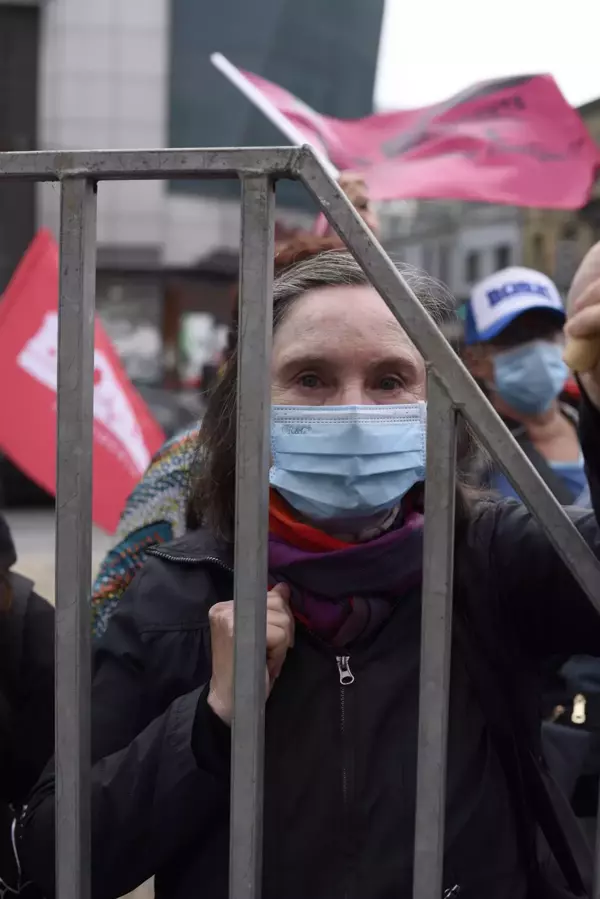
<point>451,390</point>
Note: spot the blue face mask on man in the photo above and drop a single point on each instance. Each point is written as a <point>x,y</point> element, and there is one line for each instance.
<point>530,377</point>
<point>346,462</point>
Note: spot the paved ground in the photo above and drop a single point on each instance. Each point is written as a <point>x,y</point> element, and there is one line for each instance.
<point>33,533</point>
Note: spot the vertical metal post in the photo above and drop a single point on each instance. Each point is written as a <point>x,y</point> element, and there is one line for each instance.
<point>73,534</point>
<point>436,633</point>
<point>251,534</point>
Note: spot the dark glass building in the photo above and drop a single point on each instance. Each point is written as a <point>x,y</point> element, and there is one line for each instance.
<point>19,41</point>
<point>324,51</point>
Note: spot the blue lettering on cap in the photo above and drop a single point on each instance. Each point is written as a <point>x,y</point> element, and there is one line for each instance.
<point>517,287</point>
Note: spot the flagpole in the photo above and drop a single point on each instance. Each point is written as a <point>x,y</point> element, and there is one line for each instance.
<point>269,110</point>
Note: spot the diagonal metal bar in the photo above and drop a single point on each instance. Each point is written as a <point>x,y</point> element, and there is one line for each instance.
<point>73,535</point>
<point>436,633</point>
<point>466,395</point>
<point>106,165</point>
<point>252,501</point>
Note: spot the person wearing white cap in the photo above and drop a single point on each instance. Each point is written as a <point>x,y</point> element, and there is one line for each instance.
<point>514,346</point>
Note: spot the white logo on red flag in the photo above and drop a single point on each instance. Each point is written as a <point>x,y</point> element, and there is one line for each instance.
<point>111,407</point>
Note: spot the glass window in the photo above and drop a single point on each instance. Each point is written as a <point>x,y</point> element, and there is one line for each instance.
<point>444,264</point>
<point>472,267</point>
<point>502,257</point>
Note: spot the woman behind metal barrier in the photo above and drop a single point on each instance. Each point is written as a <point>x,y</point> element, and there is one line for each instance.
<point>26,702</point>
<point>156,510</point>
<point>349,419</point>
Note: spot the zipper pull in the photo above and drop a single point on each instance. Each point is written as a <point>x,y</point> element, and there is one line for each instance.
<point>578,716</point>
<point>450,894</point>
<point>346,676</point>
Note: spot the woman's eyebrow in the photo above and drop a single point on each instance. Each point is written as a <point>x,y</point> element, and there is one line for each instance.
<point>392,359</point>
<point>304,360</point>
<point>300,360</point>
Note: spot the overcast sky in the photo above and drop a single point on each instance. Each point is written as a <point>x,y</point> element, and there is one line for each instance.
<point>433,48</point>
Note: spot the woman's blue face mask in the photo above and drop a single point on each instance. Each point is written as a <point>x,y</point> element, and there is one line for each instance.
<point>336,463</point>
<point>530,377</point>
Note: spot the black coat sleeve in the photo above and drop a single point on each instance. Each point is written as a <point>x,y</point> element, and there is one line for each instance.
<point>32,711</point>
<point>540,600</point>
<point>27,731</point>
<point>160,768</point>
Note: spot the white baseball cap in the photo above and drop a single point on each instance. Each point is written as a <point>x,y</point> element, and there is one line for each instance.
<point>500,298</point>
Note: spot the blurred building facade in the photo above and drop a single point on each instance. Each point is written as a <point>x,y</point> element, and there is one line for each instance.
<point>19,55</point>
<point>458,243</point>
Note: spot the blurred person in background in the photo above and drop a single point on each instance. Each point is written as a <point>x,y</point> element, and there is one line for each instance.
<point>355,188</point>
<point>513,347</point>
<point>156,510</point>
<point>576,695</point>
<point>26,702</point>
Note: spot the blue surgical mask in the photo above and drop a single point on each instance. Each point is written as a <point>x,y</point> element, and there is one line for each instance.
<point>346,462</point>
<point>530,377</point>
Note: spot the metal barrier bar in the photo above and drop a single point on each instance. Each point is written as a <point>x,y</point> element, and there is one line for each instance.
<point>131,165</point>
<point>436,640</point>
<point>251,533</point>
<point>74,534</point>
<point>460,386</point>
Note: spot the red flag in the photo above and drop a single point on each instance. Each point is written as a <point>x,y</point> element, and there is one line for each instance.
<point>125,433</point>
<point>515,141</point>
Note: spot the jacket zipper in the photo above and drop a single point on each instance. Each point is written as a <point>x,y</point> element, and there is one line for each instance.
<point>346,679</point>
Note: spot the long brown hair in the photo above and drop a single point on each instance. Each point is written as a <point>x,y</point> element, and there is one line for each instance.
<point>212,483</point>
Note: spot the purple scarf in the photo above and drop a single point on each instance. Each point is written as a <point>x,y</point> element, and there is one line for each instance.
<point>347,594</point>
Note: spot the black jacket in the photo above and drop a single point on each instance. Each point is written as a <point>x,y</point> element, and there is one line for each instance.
<point>26,691</point>
<point>340,761</point>
<point>26,698</point>
<point>26,679</point>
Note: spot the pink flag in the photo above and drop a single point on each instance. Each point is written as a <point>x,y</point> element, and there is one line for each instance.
<point>515,141</point>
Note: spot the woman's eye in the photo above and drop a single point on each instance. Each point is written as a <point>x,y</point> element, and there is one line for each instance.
<point>311,382</point>
<point>391,382</point>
